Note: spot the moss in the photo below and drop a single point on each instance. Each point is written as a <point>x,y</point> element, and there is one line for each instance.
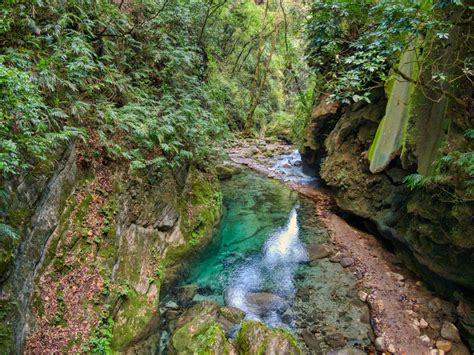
<point>134,315</point>
<point>200,209</point>
<point>256,338</point>
<point>285,334</point>
<point>18,216</point>
<point>58,318</point>
<point>83,208</point>
<point>201,336</point>
<point>38,304</point>
<point>392,131</point>
<point>7,342</point>
<point>6,256</point>
<point>255,331</point>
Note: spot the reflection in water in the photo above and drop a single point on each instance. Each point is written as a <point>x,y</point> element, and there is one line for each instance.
<point>263,286</point>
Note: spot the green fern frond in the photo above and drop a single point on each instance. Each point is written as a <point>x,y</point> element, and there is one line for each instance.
<point>7,231</point>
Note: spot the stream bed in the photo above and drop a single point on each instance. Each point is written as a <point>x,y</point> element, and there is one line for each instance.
<point>258,262</point>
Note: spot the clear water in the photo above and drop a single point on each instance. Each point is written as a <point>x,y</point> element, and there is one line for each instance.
<point>260,247</point>
<point>256,248</point>
<point>291,168</point>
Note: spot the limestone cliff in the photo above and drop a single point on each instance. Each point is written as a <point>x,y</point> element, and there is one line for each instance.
<point>371,148</point>
<point>96,244</point>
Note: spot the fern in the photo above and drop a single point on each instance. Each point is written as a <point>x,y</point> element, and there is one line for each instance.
<point>8,232</point>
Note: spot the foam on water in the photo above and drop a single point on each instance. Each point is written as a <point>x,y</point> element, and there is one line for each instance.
<point>271,271</point>
<point>291,167</point>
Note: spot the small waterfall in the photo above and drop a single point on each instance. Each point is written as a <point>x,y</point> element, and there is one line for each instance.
<point>290,167</point>
<point>263,287</point>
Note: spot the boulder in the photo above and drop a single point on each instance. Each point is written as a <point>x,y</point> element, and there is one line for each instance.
<point>335,340</point>
<point>311,341</point>
<point>255,338</point>
<point>264,302</point>
<point>226,171</point>
<point>450,332</point>
<point>202,335</point>
<point>230,317</point>
<point>319,251</point>
<point>201,329</point>
<point>203,309</point>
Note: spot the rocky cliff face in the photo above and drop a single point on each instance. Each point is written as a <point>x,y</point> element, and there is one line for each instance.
<point>364,151</point>
<point>96,244</point>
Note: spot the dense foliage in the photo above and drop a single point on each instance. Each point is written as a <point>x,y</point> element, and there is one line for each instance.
<point>130,73</point>
<point>354,47</point>
<point>153,83</point>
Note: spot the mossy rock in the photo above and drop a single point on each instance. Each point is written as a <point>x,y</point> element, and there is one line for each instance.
<point>7,344</point>
<point>226,171</point>
<point>133,320</point>
<point>256,338</point>
<point>202,335</point>
<point>6,257</point>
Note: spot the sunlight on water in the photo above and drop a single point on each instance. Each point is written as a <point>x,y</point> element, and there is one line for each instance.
<point>285,245</point>
<point>264,287</point>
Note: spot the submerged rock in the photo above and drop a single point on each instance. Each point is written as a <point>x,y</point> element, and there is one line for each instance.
<point>311,341</point>
<point>185,294</point>
<point>256,338</point>
<point>264,302</point>
<point>335,340</point>
<point>319,251</point>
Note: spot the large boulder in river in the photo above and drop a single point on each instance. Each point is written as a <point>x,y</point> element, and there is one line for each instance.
<point>202,335</point>
<point>226,171</point>
<point>199,331</point>
<point>256,338</point>
<point>264,302</point>
<point>230,317</point>
<point>202,328</point>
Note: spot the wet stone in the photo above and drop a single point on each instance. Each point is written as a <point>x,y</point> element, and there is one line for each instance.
<point>337,257</point>
<point>346,262</point>
<point>365,317</point>
<point>303,294</point>
<point>450,332</point>
<point>335,340</point>
<point>318,251</point>
<point>185,294</point>
<point>310,340</point>
<point>379,344</point>
<point>444,345</point>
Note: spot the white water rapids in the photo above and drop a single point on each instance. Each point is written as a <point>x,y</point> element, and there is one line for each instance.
<point>263,287</point>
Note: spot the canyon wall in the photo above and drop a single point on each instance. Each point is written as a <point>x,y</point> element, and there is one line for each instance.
<point>364,151</point>
<point>96,244</point>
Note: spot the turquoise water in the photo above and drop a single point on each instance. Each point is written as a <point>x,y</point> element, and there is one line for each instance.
<point>259,249</point>
<point>257,246</point>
